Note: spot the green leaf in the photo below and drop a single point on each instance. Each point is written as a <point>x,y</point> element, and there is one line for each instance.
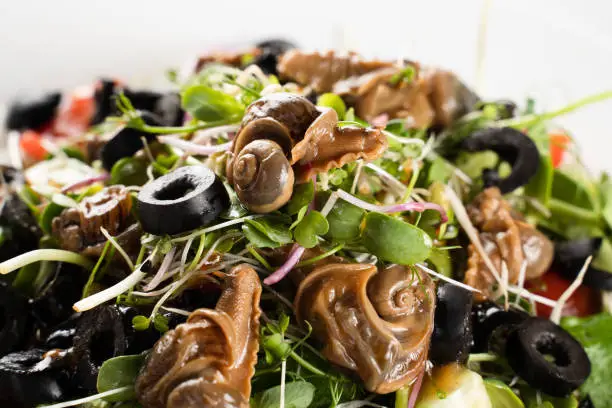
<point>532,400</point>
<point>140,323</point>
<point>160,322</point>
<point>603,259</point>
<point>300,217</point>
<point>572,185</point>
<point>303,194</point>
<point>344,222</point>
<point>270,231</point>
<point>441,261</point>
<point>209,105</point>
<point>51,211</point>
<point>595,335</point>
<point>119,372</point>
<point>331,100</point>
<point>540,185</point>
<point>439,170</point>
<point>405,75</point>
<point>298,394</point>
<point>129,171</point>
<point>394,240</point>
<point>501,395</point>
<point>310,228</point>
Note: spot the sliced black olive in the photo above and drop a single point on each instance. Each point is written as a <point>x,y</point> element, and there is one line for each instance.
<point>489,319</point>
<point>270,51</point>
<point>586,403</point>
<point>185,199</point>
<point>62,336</point>
<point>511,146</point>
<point>570,257</point>
<point>547,357</point>
<point>20,230</point>
<point>26,380</point>
<point>452,335</point>
<point>100,335</point>
<point>143,100</point>
<point>169,110</point>
<point>127,142</point>
<point>13,314</point>
<point>32,113</point>
<point>104,101</point>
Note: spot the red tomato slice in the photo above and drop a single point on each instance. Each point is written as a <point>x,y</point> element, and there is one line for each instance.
<point>583,302</point>
<point>30,144</point>
<point>559,141</point>
<point>74,117</point>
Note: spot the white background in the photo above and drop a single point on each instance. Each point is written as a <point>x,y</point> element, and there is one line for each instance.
<point>555,50</point>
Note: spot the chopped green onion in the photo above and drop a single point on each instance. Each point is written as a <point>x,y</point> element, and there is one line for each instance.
<point>58,255</point>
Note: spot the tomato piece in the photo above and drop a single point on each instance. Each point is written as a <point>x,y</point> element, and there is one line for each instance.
<point>73,118</point>
<point>30,144</point>
<point>559,142</point>
<point>584,301</point>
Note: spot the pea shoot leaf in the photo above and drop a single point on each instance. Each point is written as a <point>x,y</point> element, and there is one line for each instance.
<point>298,394</point>
<point>310,228</point>
<point>344,220</point>
<point>207,104</point>
<point>394,240</point>
<point>303,194</point>
<point>119,372</point>
<point>595,335</point>
<point>270,231</point>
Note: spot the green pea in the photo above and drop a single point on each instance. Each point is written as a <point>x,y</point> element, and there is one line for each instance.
<point>331,100</point>
<point>394,240</point>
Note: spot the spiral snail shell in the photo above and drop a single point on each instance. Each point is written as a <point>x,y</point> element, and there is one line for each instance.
<point>375,322</point>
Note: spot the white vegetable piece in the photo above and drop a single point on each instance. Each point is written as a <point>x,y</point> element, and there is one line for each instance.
<point>453,386</point>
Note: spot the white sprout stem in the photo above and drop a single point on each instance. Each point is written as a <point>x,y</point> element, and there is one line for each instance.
<point>58,255</point>
<point>214,228</point>
<point>194,148</point>
<point>202,136</point>
<point>213,247</point>
<point>389,179</point>
<point>186,251</point>
<point>161,272</point>
<point>166,296</point>
<point>14,151</point>
<point>532,296</point>
<point>521,281</point>
<point>114,243</point>
<point>177,311</point>
<point>107,294</point>
<point>505,282</point>
<point>357,175</point>
<point>403,140</point>
<point>331,201</point>
<point>447,279</point>
<point>282,386</point>
<point>90,398</point>
<point>463,218</point>
<point>555,315</point>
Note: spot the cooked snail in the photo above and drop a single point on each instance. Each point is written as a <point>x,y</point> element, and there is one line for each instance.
<point>377,323</point>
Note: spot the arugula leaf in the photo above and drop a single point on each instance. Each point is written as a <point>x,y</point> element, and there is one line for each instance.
<point>595,335</point>
<point>51,211</point>
<point>298,394</point>
<point>270,231</point>
<point>573,186</point>
<point>394,240</point>
<point>303,194</point>
<point>312,225</point>
<point>118,372</point>
<point>540,185</point>
<point>208,105</point>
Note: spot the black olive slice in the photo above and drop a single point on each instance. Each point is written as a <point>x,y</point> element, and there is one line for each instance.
<point>511,146</point>
<point>13,314</point>
<point>452,335</point>
<point>169,109</point>
<point>488,321</point>
<point>100,335</point>
<point>26,381</point>
<point>104,101</point>
<point>187,198</point>
<point>127,141</point>
<point>547,357</point>
<point>19,226</point>
<point>270,50</point>
<point>570,257</point>
<point>32,113</point>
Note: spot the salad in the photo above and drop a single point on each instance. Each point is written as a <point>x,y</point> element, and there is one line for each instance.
<point>297,229</point>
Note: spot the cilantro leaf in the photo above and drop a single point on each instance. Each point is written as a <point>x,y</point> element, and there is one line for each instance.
<point>207,104</point>
<point>595,335</point>
<point>271,231</point>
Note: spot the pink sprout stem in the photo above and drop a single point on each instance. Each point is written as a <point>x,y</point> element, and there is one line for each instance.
<point>394,208</point>
<point>414,392</point>
<point>294,257</point>
<point>161,272</point>
<point>194,148</point>
<point>86,182</point>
